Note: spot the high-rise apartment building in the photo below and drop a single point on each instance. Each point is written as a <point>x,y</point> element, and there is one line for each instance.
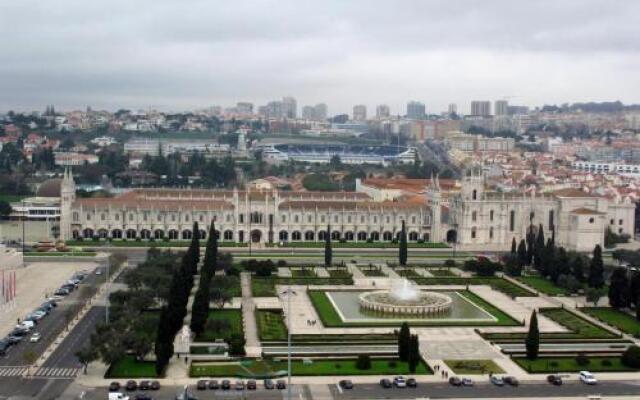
<point>382,111</point>
<point>482,108</point>
<point>360,112</point>
<point>308,112</point>
<point>244,108</point>
<point>321,111</point>
<point>415,110</point>
<point>289,107</point>
<point>501,107</point>
<point>453,108</point>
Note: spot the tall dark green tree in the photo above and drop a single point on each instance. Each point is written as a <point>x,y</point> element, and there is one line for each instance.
<point>532,341</point>
<point>403,342</point>
<point>522,253</point>
<point>514,246</point>
<point>539,249</point>
<point>402,248</point>
<point>577,267</point>
<point>194,247</point>
<point>328,252</point>
<point>531,243</point>
<point>596,269</point>
<point>619,288</point>
<point>211,251</point>
<point>413,356</point>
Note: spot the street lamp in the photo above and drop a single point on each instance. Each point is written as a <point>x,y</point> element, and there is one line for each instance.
<point>288,293</point>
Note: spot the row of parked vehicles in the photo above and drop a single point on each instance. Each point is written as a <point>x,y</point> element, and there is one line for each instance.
<point>398,382</point>
<point>26,327</point>
<point>251,384</point>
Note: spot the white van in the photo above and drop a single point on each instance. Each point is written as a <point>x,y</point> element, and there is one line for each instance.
<point>118,396</point>
<point>28,325</point>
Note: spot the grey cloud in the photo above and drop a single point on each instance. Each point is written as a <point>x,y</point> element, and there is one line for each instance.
<point>197,53</point>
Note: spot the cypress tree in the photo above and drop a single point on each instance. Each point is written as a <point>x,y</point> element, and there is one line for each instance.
<point>514,246</point>
<point>402,248</point>
<point>531,239</point>
<point>328,253</point>
<point>194,248</point>
<point>522,253</point>
<point>596,269</point>
<point>532,341</point>
<point>413,353</point>
<point>539,249</point>
<point>619,288</point>
<point>211,251</point>
<point>403,342</point>
<point>577,268</point>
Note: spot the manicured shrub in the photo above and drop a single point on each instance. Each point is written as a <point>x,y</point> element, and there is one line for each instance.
<point>553,364</point>
<point>631,357</point>
<point>392,364</point>
<point>606,362</point>
<point>363,362</point>
<point>582,360</point>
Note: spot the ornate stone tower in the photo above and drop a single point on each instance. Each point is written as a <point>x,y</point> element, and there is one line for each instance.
<point>473,184</point>
<point>434,199</point>
<point>67,197</point>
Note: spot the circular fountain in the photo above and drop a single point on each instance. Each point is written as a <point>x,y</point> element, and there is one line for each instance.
<point>405,298</point>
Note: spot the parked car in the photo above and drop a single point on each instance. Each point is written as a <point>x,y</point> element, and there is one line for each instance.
<point>588,378</point>
<point>496,380</point>
<point>61,292</point>
<point>117,396</point>
<point>399,382</point>
<point>412,383</point>
<point>114,386</point>
<point>239,385</point>
<point>226,384</point>
<point>155,385</point>
<point>511,380</point>
<point>455,381</point>
<point>467,382</point>
<point>35,338</point>
<point>13,339</point>
<point>346,384</point>
<point>251,384</point>
<point>268,384</point>
<point>4,346</point>
<point>281,384</point>
<point>554,380</point>
<point>214,385</point>
<point>143,396</point>
<point>144,385</point>
<point>131,386</point>
<point>201,385</point>
<point>386,383</point>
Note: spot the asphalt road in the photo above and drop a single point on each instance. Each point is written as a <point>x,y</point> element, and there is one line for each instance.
<point>170,392</point>
<point>488,391</point>
<point>49,327</point>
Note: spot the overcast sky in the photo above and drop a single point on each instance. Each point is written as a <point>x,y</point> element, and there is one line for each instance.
<point>177,55</point>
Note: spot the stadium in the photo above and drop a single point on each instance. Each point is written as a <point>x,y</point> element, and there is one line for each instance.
<point>349,154</point>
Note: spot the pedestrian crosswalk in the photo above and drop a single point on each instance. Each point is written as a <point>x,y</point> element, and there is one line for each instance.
<point>12,371</point>
<point>57,372</point>
<point>42,372</point>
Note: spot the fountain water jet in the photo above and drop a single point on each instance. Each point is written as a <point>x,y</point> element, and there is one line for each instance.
<point>405,298</point>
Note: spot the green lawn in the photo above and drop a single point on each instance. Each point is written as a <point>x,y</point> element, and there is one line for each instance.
<point>580,328</point>
<point>60,254</point>
<point>408,273</point>
<point>372,272</point>
<point>271,325</point>
<point>146,243</point>
<point>322,367</point>
<point>330,317</point>
<point>266,287</point>
<point>303,273</point>
<point>499,284</point>
<point>471,367</point>
<point>230,283</point>
<point>544,285</point>
<point>340,273</point>
<point>568,364</point>
<point>365,245</point>
<point>12,198</point>
<point>621,320</point>
<point>441,273</point>
<point>234,319</point>
<point>128,367</point>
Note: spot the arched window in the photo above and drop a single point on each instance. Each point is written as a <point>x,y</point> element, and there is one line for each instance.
<point>348,235</point>
<point>473,232</point>
<point>283,236</point>
<point>413,236</point>
<point>474,216</point>
<point>186,234</point>
<point>362,236</point>
<point>474,195</point>
<point>228,235</point>
<point>512,220</point>
<point>375,236</point>
<point>322,235</point>
<point>491,233</point>
<point>491,215</point>
<point>387,236</point>
<point>76,217</point>
<point>335,235</point>
<point>296,236</point>
<point>309,235</point>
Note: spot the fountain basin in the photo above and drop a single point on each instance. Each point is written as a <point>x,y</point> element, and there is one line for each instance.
<point>420,303</point>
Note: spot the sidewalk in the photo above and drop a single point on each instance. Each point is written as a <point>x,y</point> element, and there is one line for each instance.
<point>252,345</point>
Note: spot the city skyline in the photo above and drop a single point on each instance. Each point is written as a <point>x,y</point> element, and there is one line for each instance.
<point>74,55</point>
